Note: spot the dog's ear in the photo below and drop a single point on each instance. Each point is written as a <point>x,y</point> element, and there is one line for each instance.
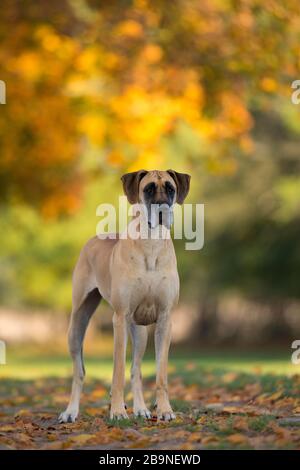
<point>182,181</point>
<point>131,182</point>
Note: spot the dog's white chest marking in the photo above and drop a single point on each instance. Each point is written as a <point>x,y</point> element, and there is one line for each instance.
<point>148,296</point>
<point>151,263</point>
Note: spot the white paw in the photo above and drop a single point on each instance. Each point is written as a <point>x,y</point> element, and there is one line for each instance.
<point>165,415</point>
<point>68,416</point>
<point>142,412</point>
<point>118,413</point>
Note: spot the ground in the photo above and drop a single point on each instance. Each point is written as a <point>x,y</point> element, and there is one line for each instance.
<point>222,400</point>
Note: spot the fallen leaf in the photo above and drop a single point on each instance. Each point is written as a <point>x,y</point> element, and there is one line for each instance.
<point>7,428</point>
<point>209,439</point>
<point>241,424</point>
<point>232,409</point>
<point>98,393</point>
<point>81,439</point>
<point>93,411</point>
<point>237,439</point>
<point>22,413</point>
<point>275,396</point>
<point>229,377</point>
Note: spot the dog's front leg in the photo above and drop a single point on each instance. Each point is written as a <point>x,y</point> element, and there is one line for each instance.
<point>117,409</point>
<point>162,345</point>
<point>139,335</point>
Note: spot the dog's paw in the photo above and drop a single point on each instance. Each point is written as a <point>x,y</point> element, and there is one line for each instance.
<point>68,416</point>
<point>142,412</point>
<point>118,413</point>
<point>168,415</point>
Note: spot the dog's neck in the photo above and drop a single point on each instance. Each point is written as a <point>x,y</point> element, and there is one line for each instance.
<point>151,241</point>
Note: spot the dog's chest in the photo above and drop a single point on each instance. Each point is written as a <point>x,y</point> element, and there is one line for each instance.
<point>151,293</point>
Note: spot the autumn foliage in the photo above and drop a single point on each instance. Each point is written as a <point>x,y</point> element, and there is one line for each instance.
<point>94,85</point>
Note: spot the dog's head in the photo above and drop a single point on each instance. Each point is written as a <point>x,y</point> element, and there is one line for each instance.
<point>157,191</point>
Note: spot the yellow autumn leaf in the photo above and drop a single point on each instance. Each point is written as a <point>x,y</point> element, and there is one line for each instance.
<point>209,439</point>
<point>93,411</point>
<point>21,413</point>
<point>7,428</point>
<point>237,439</point>
<point>130,28</point>
<point>98,393</point>
<point>81,439</point>
<point>232,409</point>
<point>275,396</point>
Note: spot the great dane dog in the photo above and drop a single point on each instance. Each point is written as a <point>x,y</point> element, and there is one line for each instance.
<point>138,278</point>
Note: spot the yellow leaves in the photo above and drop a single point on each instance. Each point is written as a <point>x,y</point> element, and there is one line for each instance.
<point>281,432</point>
<point>234,119</point>
<point>7,428</point>
<point>266,398</point>
<point>115,158</point>
<point>130,29</point>
<point>232,409</point>
<point>268,84</point>
<point>209,439</point>
<point>93,126</point>
<point>194,437</point>
<point>229,377</point>
<point>93,411</point>
<point>241,424</point>
<point>237,439</point>
<point>87,59</point>
<point>202,420</point>
<point>139,444</point>
<point>81,439</point>
<point>22,413</point>
<point>152,53</point>
<point>148,160</point>
<point>275,396</point>
<point>51,41</point>
<point>28,65</point>
<point>99,392</point>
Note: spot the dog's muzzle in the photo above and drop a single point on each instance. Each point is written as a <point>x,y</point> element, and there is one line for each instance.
<point>160,214</point>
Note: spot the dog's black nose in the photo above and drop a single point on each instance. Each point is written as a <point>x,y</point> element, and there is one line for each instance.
<point>163,203</point>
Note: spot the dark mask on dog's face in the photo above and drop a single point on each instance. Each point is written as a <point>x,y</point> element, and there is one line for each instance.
<point>158,191</point>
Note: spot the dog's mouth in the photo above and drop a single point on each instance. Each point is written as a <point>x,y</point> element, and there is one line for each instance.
<point>161,217</point>
<point>160,221</point>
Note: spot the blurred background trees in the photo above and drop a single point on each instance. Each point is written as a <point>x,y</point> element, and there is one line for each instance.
<point>95,89</point>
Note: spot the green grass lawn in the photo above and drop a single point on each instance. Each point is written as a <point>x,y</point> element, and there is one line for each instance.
<point>25,364</point>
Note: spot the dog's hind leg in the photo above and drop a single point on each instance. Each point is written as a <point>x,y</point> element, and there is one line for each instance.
<point>139,336</point>
<point>81,314</point>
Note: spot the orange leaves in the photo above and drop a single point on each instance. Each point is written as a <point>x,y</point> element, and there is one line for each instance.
<point>99,392</point>
<point>80,439</point>
<point>152,53</point>
<point>237,439</point>
<point>216,421</point>
<point>129,29</point>
<point>137,88</point>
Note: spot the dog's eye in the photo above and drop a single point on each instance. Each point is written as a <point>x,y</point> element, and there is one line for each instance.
<point>150,188</point>
<point>170,189</point>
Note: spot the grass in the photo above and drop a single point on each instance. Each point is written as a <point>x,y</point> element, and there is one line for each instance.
<point>30,364</point>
